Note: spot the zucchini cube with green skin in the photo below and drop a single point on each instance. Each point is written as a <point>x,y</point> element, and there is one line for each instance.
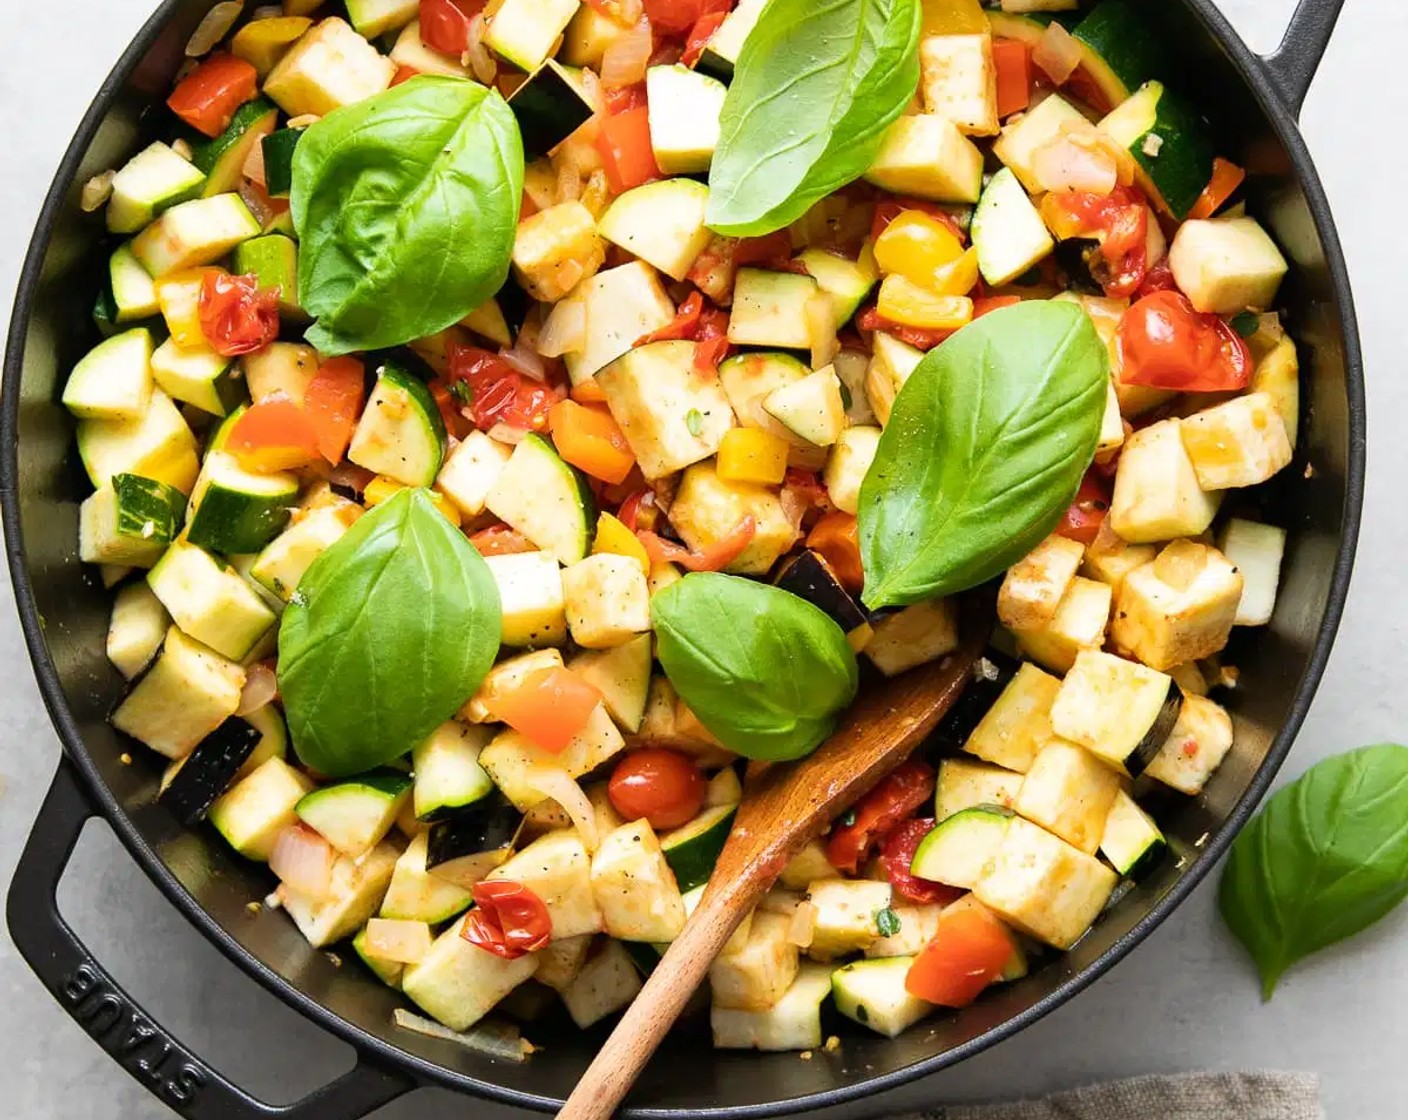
<point>352,897</point>
<point>448,776</point>
<point>635,889</point>
<point>133,291</point>
<point>1109,705</point>
<point>556,249</point>
<point>1019,722</point>
<point>530,598</point>
<point>131,521</point>
<point>194,233</point>
<point>273,261</point>
<point>545,499</point>
<point>606,983</point>
<point>1109,558</point>
<point>1008,231</point>
<point>725,45</point>
<point>1068,791</point>
<point>918,922</point>
<point>355,816</point>
<point>963,783</point>
<point>914,635</point>
<point>1241,442</point>
<point>331,66</point>
<point>196,375</point>
<point>557,869</point>
<point>693,849</point>
<point>509,758</point>
<point>845,915</point>
<point>622,675</point>
<point>285,368</point>
<point>749,379</point>
<point>707,509</point>
<point>560,962</point>
<point>1179,608</point>
<point>459,983</point>
<point>1131,840</point>
<point>1277,374</point>
<point>928,157</point>
<point>1079,624</point>
<point>1044,886</point>
<point>1021,139</point>
<point>470,471</point>
<point>388,972</point>
<point>1195,748</point>
<point>506,676</point>
<point>211,603</point>
<point>958,850</point>
<point>1033,587</point>
<point>374,18</point>
<point>769,309</point>
<point>189,692</point>
<point>806,867</point>
<point>1227,266</point>
<point>959,81</point>
<point>755,975</point>
<point>525,31</point>
<point>811,408</point>
<point>401,434</point>
<point>223,158</point>
<point>153,180</point>
<point>847,465</point>
<point>281,565</point>
<point>607,600</point>
<point>415,894</point>
<point>873,994</point>
<point>621,304</point>
<point>670,414</point>
<point>847,282</point>
<point>891,363</point>
<point>251,813</point>
<point>238,511</point>
<point>136,629</point>
<point>587,38</point>
<point>661,223</point>
<point>1255,550</point>
<point>684,117</point>
<point>113,381</point>
<point>792,1023</point>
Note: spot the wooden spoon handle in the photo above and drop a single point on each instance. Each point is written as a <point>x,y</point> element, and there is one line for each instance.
<point>649,1018</point>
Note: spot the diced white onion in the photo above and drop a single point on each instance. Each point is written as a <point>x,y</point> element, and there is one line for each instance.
<point>495,1040</point>
<point>526,360</point>
<point>506,433</point>
<point>558,785</point>
<point>1057,53</point>
<point>629,12</point>
<point>303,120</point>
<point>626,60</point>
<point>1064,163</point>
<point>303,860</point>
<point>261,685</point>
<point>213,27</point>
<point>396,940</point>
<point>96,192</point>
<point>476,54</point>
<point>254,165</point>
<point>803,927</point>
<point>564,330</point>
<point>569,183</point>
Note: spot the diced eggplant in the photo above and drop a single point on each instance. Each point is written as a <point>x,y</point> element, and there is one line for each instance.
<point>194,782</point>
<point>549,107</point>
<point>466,846</point>
<point>991,672</point>
<point>1075,258</point>
<point>1148,747</point>
<point>810,577</point>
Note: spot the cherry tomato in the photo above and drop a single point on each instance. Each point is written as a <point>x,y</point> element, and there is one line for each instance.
<point>699,36</point>
<point>403,74</point>
<point>685,324</point>
<point>887,210</point>
<point>896,855</point>
<point>663,786</point>
<point>921,339</point>
<point>444,27</point>
<point>237,316</point>
<point>1159,279</point>
<point>970,949</point>
<point>498,393</point>
<point>675,17</point>
<point>1086,514</point>
<point>508,919</point>
<point>897,796</point>
<point>1119,220</point>
<point>1166,343</point>
<point>207,97</point>
<point>638,511</point>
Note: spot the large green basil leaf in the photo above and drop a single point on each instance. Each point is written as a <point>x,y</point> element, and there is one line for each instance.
<point>765,671</point>
<point>984,450</point>
<point>390,631</point>
<point>406,206</point>
<point>815,87</point>
<point>1326,858</point>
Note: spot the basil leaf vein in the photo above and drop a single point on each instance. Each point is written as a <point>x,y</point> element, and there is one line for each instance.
<point>1326,858</point>
<point>985,448</point>
<point>406,205</point>
<point>765,671</point>
<point>813,91</point>
<point>391,630</point>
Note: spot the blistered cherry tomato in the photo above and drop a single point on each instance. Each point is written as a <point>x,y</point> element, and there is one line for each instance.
<point>1166,343</point>
<point>663,786</point>
<point>237,316</point>
<point>1087,512</point>
<point>896,855</point>
<point>897,796</point>
<point>508,919</point>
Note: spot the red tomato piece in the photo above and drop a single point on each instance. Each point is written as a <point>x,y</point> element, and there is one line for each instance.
<point>897,796</point>
<point>897,853</point>
<point>333,401</point>
<point>500,540</point>
<point>1013,62</point>
<point>1166,343</point>
<point>207,97</point>
<point>1159,279</point>
<point>508,919</point>
<point>675,17</point>
<point>273,435</point>
<point>403,74</point>
<point>1086,514</point>
<point>983,304</point>
<point>237,316</point>
<point>497,392</point>
<point>663,786</point>
<point>549,707</point>
<point>806,487</point>
<point>685,324</point>
<point>638,511</point>
<point>969,951</point>
<point>715,558</point>
<point>626,153</point>
<point>621,99</point>
<point>699,36</point>
<point>1120,221</point>
<point>444,27</point>
<point>921,339</point>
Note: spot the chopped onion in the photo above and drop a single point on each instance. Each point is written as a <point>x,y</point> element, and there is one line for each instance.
<point>213,27</point>
<point>1065,163</point>
<point>1057,53</point>
<point>494,1040</point>
<point>96,192</point>
<point>569,183</point>
<point>182,147</point>
<point>261,685</point>
<point>476,54</point>
<point>303,860</point>
<point>821,328</point>
<point>396,940</point>
<point>803,927</point>
<point>558,785</point>
<point>524,359</point>
<point>565,330</point>
<point>254,165</point>
<point>506,433</point>
<point>256,204</point>
<point>303,120</point>
<point>596,195</point>
<point>626,60</point>
<point>591,89</point>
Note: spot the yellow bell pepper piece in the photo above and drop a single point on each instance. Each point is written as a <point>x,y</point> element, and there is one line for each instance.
<point>958,278</point>
<point>752,455</point>
<point>613,537</point>
<point>380,488</point>
<point>178,296</point>
<point>263,42</point>
<point>953,17</point>
<point>917,247</point>
<point>904,302</point>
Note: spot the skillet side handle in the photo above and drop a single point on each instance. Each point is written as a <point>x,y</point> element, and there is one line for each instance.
<point>1292,66</point>
<point>141,1046</point>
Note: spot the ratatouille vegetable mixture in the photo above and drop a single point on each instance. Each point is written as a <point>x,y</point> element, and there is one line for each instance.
<point>513,417</point>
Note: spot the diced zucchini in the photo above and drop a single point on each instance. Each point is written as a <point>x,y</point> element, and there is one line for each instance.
<point>661,223</point>
<point>1069,791</point>
<point>509,757</point>
<point>401,434</point>
<point>194,233</point>
<point>388,972</point>
<point>113,381</point>
<point>724,45</point>
<point>237,511</point>
<point>959,81</point>
<point>963,784</point>
<point>257,808</point>
<point>769,309</point>
<point>278,148</point>
<point>1008,231</point>
<point>281,565</point>
<point>752,975</point>
<point>1170,142</point>
<point>1119,710</point>
<point>1255,550</point>
<point>459,983</point>
<point>545,499</point>
<point>1020,140</point>
<point>707,509</point>
<point>1241,442</point>
<point>186,695</point>
<point>1131,840</point>
<point>525,31</point>
<point>622,304</point>
<point>873,994</point>
<point>622,676</point>
<point>959,848</point>
<point>355,815</point>
<point>136,630</point>
<point>1195,747</point>
<point>448,776</point>
<point>211,603</point>
<point>811,408</point>
<point>196,375</point>
<point>331,66</point>
<point>891,363</point>
<point>684,117</point>
<point>415,895</point>
<point>223,158</point>
<point>792,1023</point>
<point>928,157</point>
<point>530,598</point>
<point>848,464</point>
<point>918,923</point>
<point>846,912</point>
<point>557,869</point>
<point>847,282</point>
<point>374,18</point>
<point>352,896</point>
<point>281,368</point>
<point>470,471</point>
<point>1019,723</point>
<point>634,887</point>
<point>273,261</point>
<point>130,521</point>
<point>692,849</point>
<point>153,180</point>
<point>133,292</point>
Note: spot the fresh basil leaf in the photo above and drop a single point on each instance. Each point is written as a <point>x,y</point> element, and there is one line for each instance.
<point>1326,858</point>
<point>390,631</point>
<point>984,450</point>
<point>887,922</point>
<point>406,205</point>
<point>813,91</point>
<point>765,671</point>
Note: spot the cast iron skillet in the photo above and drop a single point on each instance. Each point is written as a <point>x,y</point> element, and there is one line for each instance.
<point>1252,102</point>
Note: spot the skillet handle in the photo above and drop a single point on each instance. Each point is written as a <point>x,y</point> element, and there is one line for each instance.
<point>174,1074</point>
<point>1292,66</point>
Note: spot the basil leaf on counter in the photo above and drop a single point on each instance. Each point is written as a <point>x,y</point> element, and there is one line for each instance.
<point>1326,858</point>
<point>406,205</point>
<point>390,631</point>
<point>813,91</point>
<point>765,671</point>
<point>985,448</point>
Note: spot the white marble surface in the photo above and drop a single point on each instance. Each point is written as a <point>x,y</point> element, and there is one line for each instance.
<point>1185,1000</point>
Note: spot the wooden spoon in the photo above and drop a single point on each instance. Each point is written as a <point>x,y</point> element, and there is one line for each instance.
<point>784,806</point>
